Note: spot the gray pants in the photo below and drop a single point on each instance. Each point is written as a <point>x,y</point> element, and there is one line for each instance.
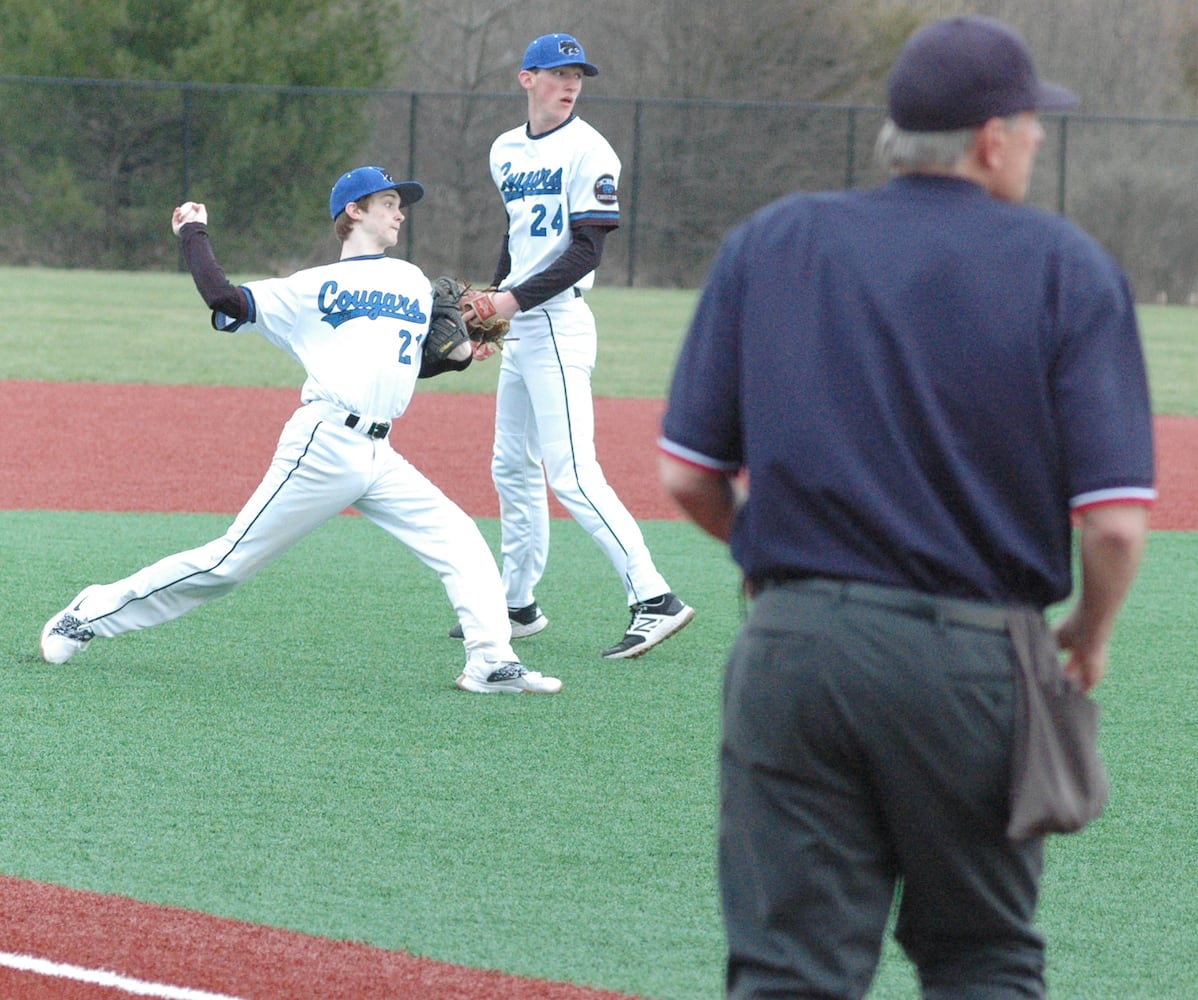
<point>867,751</point>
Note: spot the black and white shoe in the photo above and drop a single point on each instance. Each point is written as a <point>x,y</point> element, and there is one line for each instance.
<point>525,621</point>
<point>64,635</point>
<point>652,623</point>
<point>505,678</point>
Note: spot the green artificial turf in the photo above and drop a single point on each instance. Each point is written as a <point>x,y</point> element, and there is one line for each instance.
<point>296,754</point>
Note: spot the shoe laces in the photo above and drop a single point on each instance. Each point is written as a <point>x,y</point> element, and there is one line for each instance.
<point>660,602</point>
<point>507,672</point>
<point>658,607</point>
<point>75,629</point>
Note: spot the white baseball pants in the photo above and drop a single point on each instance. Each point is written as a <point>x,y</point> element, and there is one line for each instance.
<point>545,429</point>
<point>320,468</point>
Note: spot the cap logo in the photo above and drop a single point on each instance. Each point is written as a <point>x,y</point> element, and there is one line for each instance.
<point>569,47</point>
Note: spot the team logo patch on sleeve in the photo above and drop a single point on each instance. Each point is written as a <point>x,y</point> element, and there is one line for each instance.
<point>605,190</point>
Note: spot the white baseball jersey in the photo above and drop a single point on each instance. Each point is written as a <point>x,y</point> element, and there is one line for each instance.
<point>356,325</point>
<point>548,184</point>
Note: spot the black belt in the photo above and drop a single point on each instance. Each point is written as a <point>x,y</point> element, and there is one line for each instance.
<point>378,429</point>
<point>944,610</point>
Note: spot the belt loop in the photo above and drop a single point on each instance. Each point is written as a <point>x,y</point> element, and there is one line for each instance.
<point>577,292</point>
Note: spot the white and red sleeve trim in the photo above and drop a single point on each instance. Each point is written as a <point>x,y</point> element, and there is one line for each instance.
<point>1142,495</point>
<point>697,459</point>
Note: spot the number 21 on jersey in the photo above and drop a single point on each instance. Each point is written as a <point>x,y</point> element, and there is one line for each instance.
<point>405,346</point>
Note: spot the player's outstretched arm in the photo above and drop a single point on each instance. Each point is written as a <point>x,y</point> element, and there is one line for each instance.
<point>190,223</point>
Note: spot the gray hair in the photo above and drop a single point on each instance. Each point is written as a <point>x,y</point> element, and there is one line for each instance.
<point>900,150</point>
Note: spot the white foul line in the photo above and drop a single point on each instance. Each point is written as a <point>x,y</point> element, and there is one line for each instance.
<point>98,977</point>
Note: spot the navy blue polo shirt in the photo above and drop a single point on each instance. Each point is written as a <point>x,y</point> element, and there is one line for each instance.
<point>922,381</point>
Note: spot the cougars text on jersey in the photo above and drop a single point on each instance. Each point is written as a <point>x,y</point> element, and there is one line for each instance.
<point>339,305</point>
<point>530,182</point>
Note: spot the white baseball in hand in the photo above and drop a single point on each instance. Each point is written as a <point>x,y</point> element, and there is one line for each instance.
<point>189,211</point>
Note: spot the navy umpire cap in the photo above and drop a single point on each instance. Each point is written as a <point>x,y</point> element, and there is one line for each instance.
<point>370,180</point>
<point>549,51</point>
<point>962,72</point>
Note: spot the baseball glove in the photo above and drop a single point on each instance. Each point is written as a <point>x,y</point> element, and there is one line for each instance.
<point>486,326</point>
<point>448,338</point>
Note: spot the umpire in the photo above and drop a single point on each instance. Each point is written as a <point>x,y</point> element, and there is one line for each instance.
<point>895,405</point>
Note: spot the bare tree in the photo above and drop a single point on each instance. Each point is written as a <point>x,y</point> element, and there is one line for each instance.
<point>1121,56</point>
<point>476,46</point>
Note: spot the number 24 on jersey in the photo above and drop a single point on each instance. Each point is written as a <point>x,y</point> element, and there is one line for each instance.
<point>538,227</point>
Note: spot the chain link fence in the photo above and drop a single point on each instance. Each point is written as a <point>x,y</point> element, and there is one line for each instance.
<point>91,170</point>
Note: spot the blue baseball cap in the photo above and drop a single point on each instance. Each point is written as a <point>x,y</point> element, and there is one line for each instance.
<point>549,51</point>
<point>370,180</point>
<point>962,72</point>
